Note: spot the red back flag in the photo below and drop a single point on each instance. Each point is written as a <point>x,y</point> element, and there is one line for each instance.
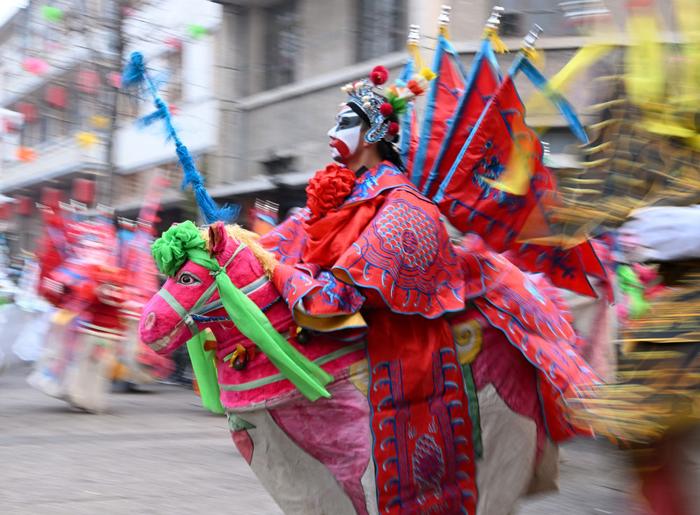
<point>483,83</point>
<point>443,97</point>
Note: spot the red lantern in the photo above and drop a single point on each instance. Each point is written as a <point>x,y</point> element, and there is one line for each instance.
<point>5,211</point>
<point>174,43</point>
<point>35,65</point>
<point>25,205</point>
<point>51,197</point>
<point>56,96</point>
<point>88,81</point>
<point>115,79</point>
<point>28,111</point>
<point>84,191</point>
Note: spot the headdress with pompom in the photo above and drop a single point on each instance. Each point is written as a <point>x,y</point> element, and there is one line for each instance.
<point>381,106</point>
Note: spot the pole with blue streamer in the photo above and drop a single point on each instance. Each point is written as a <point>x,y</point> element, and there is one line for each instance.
<point>135,75</point>
<point>521,63</point>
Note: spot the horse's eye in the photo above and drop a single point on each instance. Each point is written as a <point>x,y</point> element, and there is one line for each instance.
<point>187,279</point>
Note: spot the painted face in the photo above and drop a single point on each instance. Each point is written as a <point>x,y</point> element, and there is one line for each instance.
<point>345,136</point>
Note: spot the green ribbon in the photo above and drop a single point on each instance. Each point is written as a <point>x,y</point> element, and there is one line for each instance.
<point>630,284</point>
<point>204,368</point>
<point>183,242</point>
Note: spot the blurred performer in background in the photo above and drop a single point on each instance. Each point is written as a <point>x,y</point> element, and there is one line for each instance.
<point>98,281</point>
<point>641,180</point>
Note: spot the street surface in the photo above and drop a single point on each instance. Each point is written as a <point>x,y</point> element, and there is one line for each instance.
<point>160,453</point>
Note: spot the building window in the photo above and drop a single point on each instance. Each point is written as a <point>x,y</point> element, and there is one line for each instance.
<point>282,43</point>
<point>174,85</point>
<point>520,15</point>
<point>279,164</point>
<point>381,27</point>
<point>127,107</point>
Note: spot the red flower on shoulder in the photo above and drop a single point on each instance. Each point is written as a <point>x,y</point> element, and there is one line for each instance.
<point>328,189</point>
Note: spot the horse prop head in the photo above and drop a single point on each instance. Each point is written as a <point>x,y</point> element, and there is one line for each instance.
<point>189,301</point>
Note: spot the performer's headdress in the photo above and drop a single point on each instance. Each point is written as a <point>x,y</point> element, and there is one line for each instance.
<point>380,107</point>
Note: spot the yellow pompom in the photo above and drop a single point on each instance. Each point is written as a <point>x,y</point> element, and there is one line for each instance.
<point>427,73</point>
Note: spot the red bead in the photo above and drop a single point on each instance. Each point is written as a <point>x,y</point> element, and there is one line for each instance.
<point>386,109</point>
<point>379,75</point>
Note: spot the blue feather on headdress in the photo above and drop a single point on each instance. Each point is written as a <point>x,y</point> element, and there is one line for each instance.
<point>135,75</point>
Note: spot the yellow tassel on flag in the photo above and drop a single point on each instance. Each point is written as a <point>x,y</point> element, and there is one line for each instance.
<point>535,57</point>
<point>497,43</point>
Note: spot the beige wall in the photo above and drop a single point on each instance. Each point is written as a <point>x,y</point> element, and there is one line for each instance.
<point>293,120</point>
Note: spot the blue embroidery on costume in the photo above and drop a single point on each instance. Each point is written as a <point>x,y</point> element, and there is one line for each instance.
<point>346,298</point>
<point>287,240</point>
<point>369,184</point>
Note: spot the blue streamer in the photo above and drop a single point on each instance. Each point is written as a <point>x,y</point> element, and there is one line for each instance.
<point>150,119</point>
<point>136,75</point>
<point>565,108</point>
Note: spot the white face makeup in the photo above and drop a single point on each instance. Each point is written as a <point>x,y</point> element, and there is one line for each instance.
<point>345,136</point>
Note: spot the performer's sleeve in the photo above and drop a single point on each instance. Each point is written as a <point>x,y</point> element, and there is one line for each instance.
<point>317,299</point>
<point>288,239</point>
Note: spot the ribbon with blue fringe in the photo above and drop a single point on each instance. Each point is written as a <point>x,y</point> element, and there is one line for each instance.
<point>135,75</point>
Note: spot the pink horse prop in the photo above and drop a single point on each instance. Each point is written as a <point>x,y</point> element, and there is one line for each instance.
<point>513,347</point>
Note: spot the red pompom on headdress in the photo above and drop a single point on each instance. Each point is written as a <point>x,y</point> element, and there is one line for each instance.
<point>393,129</point>
<point>386,109</point>
<point>379,75</point>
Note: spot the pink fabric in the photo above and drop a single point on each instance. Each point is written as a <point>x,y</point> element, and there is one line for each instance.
<point>335,432</point>
<point>244,444</point>
<point>499,363</point>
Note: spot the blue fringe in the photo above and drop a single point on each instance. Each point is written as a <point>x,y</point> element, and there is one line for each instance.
<point>136,75</point>
<point>150,119</point>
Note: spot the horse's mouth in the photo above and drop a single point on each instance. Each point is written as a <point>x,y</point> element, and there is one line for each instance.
<point>161,343</point>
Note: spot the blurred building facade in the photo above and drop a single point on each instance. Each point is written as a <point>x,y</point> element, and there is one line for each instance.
<point>280,64</point>
<point>254,88</point>
<point>61,73</point>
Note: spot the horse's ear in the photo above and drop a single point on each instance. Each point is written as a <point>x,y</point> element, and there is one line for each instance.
<point>217,238</point>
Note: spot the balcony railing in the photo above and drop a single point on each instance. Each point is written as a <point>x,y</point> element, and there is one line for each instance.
<point>57,159</point>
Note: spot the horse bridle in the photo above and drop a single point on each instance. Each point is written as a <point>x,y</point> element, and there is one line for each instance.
<point>197,313</point>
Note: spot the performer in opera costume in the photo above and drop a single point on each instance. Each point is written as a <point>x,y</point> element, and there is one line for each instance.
<point>373,244</point>
<point>367,364</point>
